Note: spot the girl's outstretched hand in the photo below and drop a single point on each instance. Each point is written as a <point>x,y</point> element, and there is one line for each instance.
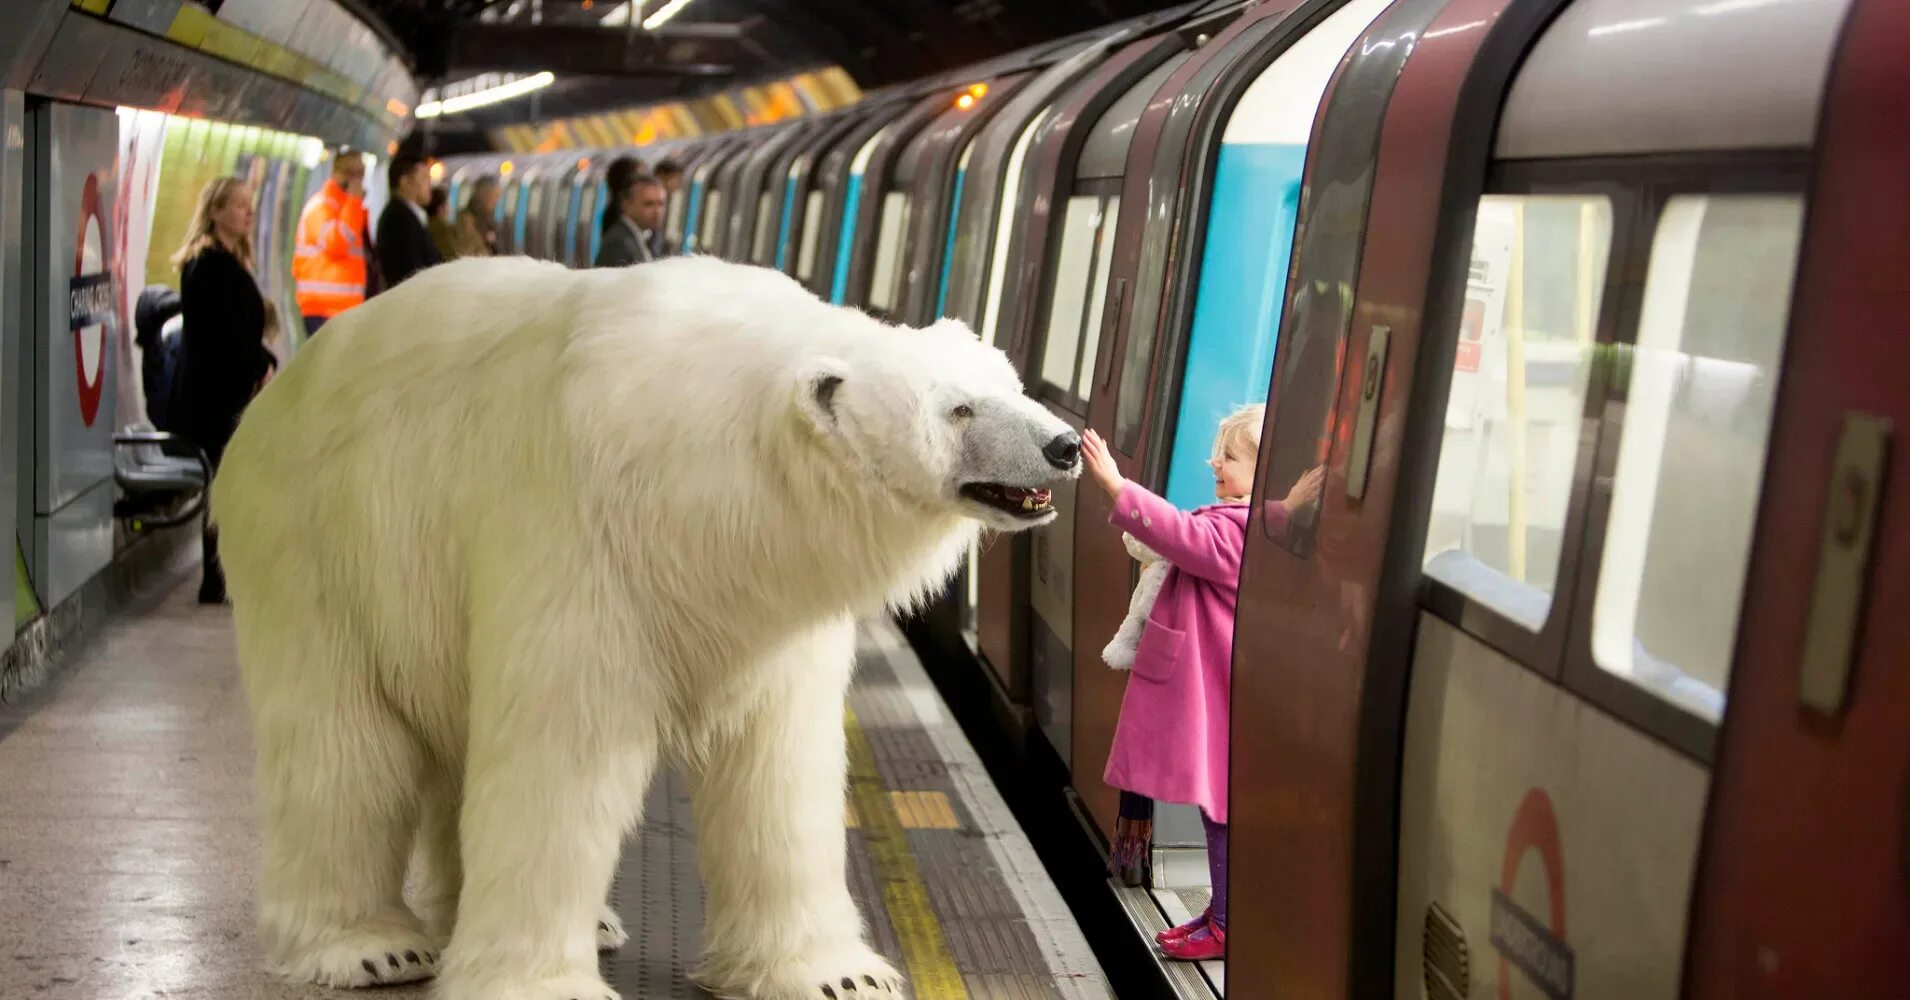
<point>1100,464</point>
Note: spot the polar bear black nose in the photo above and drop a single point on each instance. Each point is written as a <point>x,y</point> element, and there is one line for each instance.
<point>1063,451</point>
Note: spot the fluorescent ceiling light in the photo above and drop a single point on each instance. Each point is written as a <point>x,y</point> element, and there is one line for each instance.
<point>492,95</point>
<point>666,12</point>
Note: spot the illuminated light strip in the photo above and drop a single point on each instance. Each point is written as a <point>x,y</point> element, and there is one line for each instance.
<point>493,95</point>
<point>668,11</point>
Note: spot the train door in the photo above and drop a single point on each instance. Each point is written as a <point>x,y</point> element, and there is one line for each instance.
<point>67,374</point>
<point>941,153</point>
<point>832,207</point>
<point>1315,789</point>
<point>18,155</point>
<point>705,201</point>
<point>720,196</point>
<point>802,198</point>
<point>1061,377</point>
<point>871,241</point>
<point>1050,151</point>
<point>509,209</point>
<point>585,206</point>
<point>1601,453</point>
<point>1802,884</point>
<point>753,221</point>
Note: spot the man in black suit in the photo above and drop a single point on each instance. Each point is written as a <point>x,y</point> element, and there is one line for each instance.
<point>637,236</point>
<point>404,235</point>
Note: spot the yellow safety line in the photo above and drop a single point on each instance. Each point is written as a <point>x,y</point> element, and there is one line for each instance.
<point>931,968</point>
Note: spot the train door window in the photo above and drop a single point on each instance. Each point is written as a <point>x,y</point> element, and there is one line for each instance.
<point>1073,265</point>
<point>1696,422</point>
<point>1515,411</point>
<point>888,249</point>
<point>1004,230</point>
<point>712,218</point>
<point>1097,299</point>
<point>679,204</point>
<point>765,227</point>
<point>811,234</point>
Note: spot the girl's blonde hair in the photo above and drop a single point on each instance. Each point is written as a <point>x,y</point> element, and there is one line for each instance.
<point>199,234</point>
<point>1239,433</point>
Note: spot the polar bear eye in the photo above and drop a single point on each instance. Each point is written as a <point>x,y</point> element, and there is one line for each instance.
<point>963,411</point>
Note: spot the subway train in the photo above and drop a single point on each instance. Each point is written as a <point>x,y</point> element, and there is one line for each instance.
<point>1579,679</point>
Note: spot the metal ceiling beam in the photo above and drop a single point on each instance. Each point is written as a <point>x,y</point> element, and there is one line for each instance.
<point>673,50</point>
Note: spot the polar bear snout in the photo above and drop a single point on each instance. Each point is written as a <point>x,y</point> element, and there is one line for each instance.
<point>1015,453</point>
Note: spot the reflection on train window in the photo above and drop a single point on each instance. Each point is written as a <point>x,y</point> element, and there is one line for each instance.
<point>1697,418</point>
<point>1517,400</point>
<point>765,227</point>
<point>1072,266</point>
<point>712,226</point>
<point>1097,299</point>
<point>888,250</point>
<point>811,233</point>
<point>1004,230</point>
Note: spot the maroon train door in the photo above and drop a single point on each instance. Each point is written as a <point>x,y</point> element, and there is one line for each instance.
<point>1804,882</point>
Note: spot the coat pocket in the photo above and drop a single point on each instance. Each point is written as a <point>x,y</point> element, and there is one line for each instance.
<point>1158,657</point>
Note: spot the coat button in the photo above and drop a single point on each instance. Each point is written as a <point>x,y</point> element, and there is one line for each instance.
<point>1136,512</point>
<point>1147,522</point>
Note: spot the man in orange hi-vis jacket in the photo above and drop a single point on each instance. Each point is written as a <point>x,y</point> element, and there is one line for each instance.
<point>329,264</point>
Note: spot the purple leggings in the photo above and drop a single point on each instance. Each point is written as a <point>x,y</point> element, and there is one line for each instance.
<point>1217,866</point>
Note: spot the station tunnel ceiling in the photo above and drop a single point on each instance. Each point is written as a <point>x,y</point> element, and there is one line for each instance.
<point>704,46</point>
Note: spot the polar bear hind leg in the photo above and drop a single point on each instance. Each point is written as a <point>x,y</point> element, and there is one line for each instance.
<point>338,774</point>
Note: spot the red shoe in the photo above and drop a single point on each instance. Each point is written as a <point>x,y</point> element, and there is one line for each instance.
<point>1178,933</point>
<point>1210,942</point>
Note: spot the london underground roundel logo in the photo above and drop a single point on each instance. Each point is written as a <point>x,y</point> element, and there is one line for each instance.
<point>91,305</point>
<point>1536,946</point>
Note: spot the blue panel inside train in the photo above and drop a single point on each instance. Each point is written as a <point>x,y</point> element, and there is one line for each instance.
<point>839,285</point>
<point>948,246</point>
<point>596,225</point>
<point>782,228</point>
<point>1243,280</point>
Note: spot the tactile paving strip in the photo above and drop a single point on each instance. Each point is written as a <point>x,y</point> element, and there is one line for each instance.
<point>992,941</point>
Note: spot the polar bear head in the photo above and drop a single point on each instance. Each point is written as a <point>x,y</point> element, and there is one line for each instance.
<point>936,417</point>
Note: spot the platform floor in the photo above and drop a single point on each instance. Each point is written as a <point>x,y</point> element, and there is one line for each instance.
<point>129,848</point>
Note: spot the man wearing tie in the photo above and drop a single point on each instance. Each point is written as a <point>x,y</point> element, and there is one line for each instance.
<point>637,237</point>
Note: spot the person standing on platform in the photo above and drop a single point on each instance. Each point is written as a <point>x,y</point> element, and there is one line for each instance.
<point>617,177</point>
<point>671,174</point>
<point>329,263</point>
<point>404,244</point>
<point>477,224</point>
<point>223,358</point>
<point>637,237</point>
<point>444,231</point>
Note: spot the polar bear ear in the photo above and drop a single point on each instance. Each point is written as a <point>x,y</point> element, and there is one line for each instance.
<point>816,387</point>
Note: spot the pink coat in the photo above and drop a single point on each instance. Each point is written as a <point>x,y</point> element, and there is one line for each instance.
<point>1171,741</point>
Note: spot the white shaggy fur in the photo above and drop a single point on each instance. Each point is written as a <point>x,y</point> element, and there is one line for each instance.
<point>509,536</point>
<point>1120,650</point>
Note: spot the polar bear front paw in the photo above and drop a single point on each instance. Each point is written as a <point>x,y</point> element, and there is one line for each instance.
<point>610,932</point>
<point>366,958</point>
<point>851,974</point>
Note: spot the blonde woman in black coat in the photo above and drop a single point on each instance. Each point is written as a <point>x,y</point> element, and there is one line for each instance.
<point>223,359</point>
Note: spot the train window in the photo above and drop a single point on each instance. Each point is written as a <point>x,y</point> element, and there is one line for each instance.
<point>765,228</point>
<point>811,234</point>
<point>888,249</point>
<point>1072,266</point>
<point>1097,299</point>
<point>1004,230</point>
<point>712,225</point>
<point>1697,419</point>
<point>1517,400</point>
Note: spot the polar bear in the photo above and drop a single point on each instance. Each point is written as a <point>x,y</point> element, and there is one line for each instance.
<point>507,537</point>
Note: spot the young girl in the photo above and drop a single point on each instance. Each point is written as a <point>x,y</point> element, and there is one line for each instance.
<point>1171,741</point>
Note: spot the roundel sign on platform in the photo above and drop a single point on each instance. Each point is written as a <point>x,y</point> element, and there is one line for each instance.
<point>1536,946</point>
<point>91,305</point>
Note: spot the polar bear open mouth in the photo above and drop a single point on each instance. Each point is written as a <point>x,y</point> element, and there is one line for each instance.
<point>1012,499</point>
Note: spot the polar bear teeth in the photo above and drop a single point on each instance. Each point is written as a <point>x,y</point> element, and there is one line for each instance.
<point>1013,499</point>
